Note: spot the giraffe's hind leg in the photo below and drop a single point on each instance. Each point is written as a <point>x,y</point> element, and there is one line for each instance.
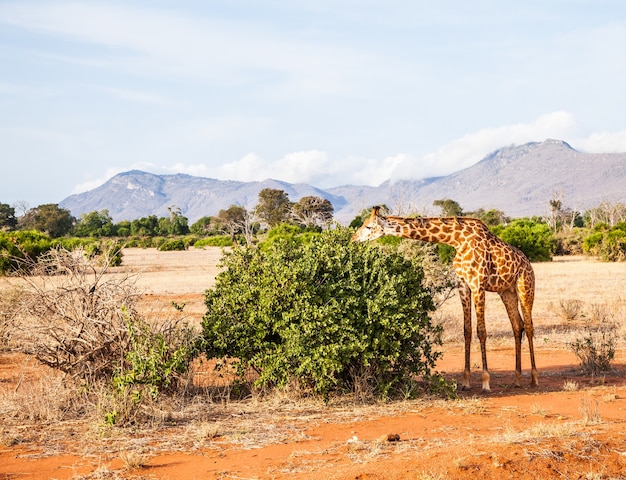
<point>510,300</point>
<point>526,294</point>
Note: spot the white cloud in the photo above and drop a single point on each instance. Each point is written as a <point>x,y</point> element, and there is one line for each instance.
<point>247,169</point>
<point>313,167</point>
<point>603,142</point>
<point>304,166</point>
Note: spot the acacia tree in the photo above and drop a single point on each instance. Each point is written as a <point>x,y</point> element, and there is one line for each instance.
<point>236,219</point>
<point>274,207</point>
<point>312,211</point>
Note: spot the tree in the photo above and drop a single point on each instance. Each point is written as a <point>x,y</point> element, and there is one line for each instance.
<point>235,220</point>
<point>273,207</point>
<point>145,226</point>
<point>95,224</point>
<point>449,208</point>
<point>123,228</point>
<point>606,212</point>
<point>49,218</point>
<point>8,220</point>
<point>179,225</point>
<point>312,211</point>
<point>202,226</point>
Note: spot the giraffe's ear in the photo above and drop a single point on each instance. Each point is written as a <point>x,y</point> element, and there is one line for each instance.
<point>375,211</point>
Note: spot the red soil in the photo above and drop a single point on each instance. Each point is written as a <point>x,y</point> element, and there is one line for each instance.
<point>519,433</point>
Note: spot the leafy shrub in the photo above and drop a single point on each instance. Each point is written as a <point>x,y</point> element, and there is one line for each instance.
<point>286,232</point>
<point>171,245</point>
<point>214,241</point>
<point>140,242</point>
<point>535,239</point>
<point>156,358</point>
<point>190,240</point>
<point>607,243</point>
<point>21,247</point>
<point>327,314</point>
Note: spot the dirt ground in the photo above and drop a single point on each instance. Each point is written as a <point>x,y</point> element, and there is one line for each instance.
<point>572,426</point>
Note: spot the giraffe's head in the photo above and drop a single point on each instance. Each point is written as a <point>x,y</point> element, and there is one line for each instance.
<point>372,228</point>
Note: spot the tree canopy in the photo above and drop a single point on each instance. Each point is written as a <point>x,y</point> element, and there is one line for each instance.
<point>49,218</point>
<point>312,211</point>
<point>274,206</point>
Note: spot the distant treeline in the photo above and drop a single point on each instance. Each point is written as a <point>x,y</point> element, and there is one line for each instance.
<point>599,231</point>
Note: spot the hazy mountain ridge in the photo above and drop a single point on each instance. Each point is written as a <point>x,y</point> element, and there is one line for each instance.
<point>519,180</point>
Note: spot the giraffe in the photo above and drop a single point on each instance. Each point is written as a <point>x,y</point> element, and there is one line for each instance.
<point>483,263</point>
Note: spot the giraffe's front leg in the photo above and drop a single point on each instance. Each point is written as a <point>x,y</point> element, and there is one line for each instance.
<point>481,330</point>
<point>466,301</point>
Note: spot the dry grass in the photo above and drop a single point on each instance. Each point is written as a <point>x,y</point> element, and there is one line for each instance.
<point>590,411</point>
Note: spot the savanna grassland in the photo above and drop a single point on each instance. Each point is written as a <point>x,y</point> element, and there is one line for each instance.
<point>572,426</point>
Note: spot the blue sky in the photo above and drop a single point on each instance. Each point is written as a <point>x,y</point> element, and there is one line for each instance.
<point>324,92</point>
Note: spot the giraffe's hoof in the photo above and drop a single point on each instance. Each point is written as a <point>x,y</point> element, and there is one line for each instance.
<point>465,388</point>
<point>486,391</point>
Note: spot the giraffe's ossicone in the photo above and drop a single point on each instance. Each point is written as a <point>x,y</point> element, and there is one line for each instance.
<point>483,263</point>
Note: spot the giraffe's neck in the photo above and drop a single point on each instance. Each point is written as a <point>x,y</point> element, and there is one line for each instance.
<point>451,231</point>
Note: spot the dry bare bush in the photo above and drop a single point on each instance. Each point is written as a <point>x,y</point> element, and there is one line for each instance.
<point>570,310</point>
<point>596,349</point>
<point>9,299</point>
<point>75,317</point>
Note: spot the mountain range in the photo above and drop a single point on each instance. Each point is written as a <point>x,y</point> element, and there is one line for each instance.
<point>518,180</point>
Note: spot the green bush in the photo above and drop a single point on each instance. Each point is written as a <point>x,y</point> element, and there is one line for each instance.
<point>19,248</point>
<point>155,358</point>
<point>289,233</point>
<point>171,245</point>
<point>214,241</point>
<point>607,243</point>
<point>328,314</point>
<point>535,239</point>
